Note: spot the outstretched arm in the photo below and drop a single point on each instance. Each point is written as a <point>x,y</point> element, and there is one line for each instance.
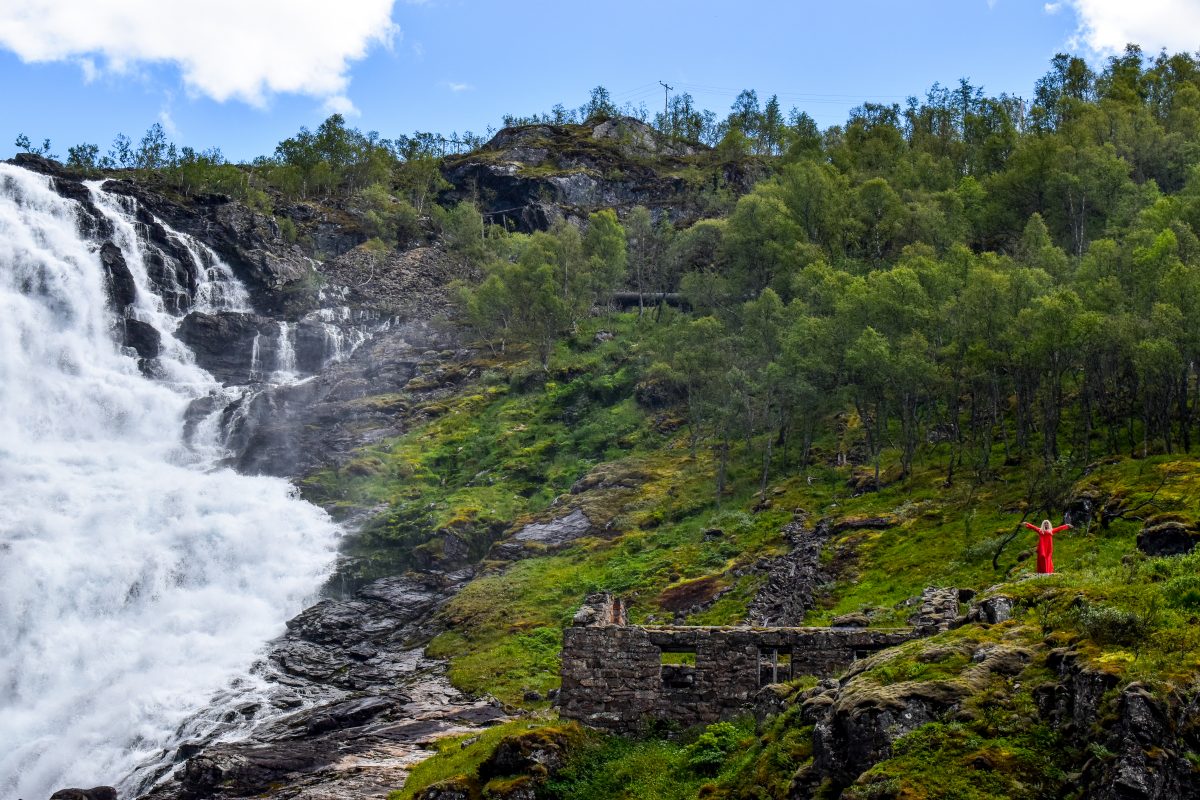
<point>1032,527</point>
<point>1061,528</point>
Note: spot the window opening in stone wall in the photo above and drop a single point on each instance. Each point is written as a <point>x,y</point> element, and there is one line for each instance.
<point>774,665</point>
<point>678,668</point>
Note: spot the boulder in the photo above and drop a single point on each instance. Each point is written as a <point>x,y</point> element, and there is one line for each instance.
<point>1170,538</point>
<point>95,793</point>
<point>119,284</point>
<point>992,610</point>
<point>143,337</point>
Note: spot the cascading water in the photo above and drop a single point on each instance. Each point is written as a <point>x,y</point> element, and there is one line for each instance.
<point>136,577</point>
<point>285,359</point>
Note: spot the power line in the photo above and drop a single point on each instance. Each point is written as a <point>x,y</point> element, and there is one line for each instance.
<point>666,100</point>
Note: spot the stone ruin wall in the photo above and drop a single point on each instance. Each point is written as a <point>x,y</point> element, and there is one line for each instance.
<point>614,676</point>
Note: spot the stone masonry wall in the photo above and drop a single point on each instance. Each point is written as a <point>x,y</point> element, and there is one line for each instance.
<point>614,676</point>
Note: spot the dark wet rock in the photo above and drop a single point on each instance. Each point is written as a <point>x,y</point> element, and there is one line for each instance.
<point>120,286</point>
<point>361,703</point>
<point>290,430</point>
<point>1169,538</point>
<point>224,342</point>
<point>349,643</point>
<point>95,793</point>
<point>349,714</point>
<point>278,275</point>
<point>143,337</point>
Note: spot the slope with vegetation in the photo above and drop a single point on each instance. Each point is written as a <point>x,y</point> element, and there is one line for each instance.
<point>953,317</point>
<point>925,326</point>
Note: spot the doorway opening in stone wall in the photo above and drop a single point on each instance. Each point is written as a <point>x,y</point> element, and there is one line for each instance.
<point>774,665</point>
<point>678,668</point>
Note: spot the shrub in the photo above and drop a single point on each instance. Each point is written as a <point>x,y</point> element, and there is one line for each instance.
<point>1183,592</point>
<point>710,751</point>
<point>1115,626</point>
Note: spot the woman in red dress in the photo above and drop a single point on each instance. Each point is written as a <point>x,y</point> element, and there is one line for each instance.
<point>1045,550</point>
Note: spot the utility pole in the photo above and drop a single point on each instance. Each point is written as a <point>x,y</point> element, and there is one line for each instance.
<point>666,100</point>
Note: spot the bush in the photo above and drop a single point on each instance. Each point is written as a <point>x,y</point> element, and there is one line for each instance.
<point>1183,592</point>
<point>712,749</point>
<point>287,229</point>
<point>1114,626</point>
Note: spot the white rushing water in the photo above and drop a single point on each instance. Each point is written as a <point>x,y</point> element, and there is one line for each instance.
<point>136,578</point>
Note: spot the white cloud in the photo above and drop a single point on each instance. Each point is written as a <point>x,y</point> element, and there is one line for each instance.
<point>225,49</point>
<point>167,121</point>
<point>1106,26</point>
<point>458,87</point>
<point>340,104</point>
<point>1052,8</point>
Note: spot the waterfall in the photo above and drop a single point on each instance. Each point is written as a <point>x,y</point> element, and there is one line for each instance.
<point>136,578</point>
<point>285,355</point>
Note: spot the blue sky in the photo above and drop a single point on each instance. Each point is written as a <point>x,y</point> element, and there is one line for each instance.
<point>242,74</point>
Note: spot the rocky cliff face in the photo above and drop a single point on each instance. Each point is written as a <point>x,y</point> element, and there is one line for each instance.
<point>527,178</point>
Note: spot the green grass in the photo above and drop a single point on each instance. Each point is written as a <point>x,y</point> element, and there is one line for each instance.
<point>457,756</point>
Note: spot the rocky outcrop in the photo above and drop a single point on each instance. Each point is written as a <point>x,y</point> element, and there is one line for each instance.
<point>223,342</point>
<point>290,430</point>
<point>991,610</point>
<point>361,704</point>
<point>120,286</point>
<point>412,283</point>
<point>1148,761</point>
<point>531,176</point>
<point>857,719</point>
<point>543,537</point>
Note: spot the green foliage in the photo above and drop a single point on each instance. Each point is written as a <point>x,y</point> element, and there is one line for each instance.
<point>387,217</point>
<point>548,284</point>
<point>457,756</point>
<point>712,748</point>
<point>607,767</point>
<point>463,232</point>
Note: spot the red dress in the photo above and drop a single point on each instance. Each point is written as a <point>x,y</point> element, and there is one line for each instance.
<point>1045,551</point>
